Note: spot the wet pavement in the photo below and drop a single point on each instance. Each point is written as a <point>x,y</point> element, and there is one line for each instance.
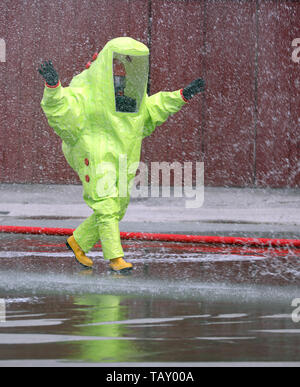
<point>247,212</point>
<point>183,304</point>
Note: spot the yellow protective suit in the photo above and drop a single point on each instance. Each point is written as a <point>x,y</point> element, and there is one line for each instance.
<point>98,138</point>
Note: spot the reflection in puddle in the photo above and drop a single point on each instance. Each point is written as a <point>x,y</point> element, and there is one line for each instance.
<point>175,306</point>
<point>93,327</point>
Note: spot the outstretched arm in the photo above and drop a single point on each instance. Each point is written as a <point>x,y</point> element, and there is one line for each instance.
<point>62,106</point>
<point>163,104</point>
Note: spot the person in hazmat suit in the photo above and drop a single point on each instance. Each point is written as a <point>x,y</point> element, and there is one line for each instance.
<point>102,118</point>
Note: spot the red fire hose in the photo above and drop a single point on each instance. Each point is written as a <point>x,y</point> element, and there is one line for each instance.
<point>263,242</point>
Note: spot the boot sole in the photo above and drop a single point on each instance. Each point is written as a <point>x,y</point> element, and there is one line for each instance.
<point>70,248</point>
<point>123,271</point>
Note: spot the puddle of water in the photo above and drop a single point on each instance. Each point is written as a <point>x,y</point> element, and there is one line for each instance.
<point>177,306</point>
<point>141,328</point>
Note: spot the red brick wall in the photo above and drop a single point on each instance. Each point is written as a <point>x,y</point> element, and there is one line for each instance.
<point>245,127</point>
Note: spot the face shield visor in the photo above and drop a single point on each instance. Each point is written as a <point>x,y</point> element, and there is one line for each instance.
<point>130,75</point>
<point>119,84</point>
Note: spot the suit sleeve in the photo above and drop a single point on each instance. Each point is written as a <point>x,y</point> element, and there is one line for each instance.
<point>159,107</point>
<point>63,109</point>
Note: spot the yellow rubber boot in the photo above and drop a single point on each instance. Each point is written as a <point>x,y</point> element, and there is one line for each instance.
<point>120,265</point>
<point>79,254</point>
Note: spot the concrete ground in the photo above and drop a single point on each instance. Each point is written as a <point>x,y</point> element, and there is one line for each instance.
<point>225,211</point>
<point>178,305</point>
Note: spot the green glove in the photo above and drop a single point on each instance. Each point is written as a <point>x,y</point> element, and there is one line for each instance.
<point>195,87</point>
<point>48,73</point>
